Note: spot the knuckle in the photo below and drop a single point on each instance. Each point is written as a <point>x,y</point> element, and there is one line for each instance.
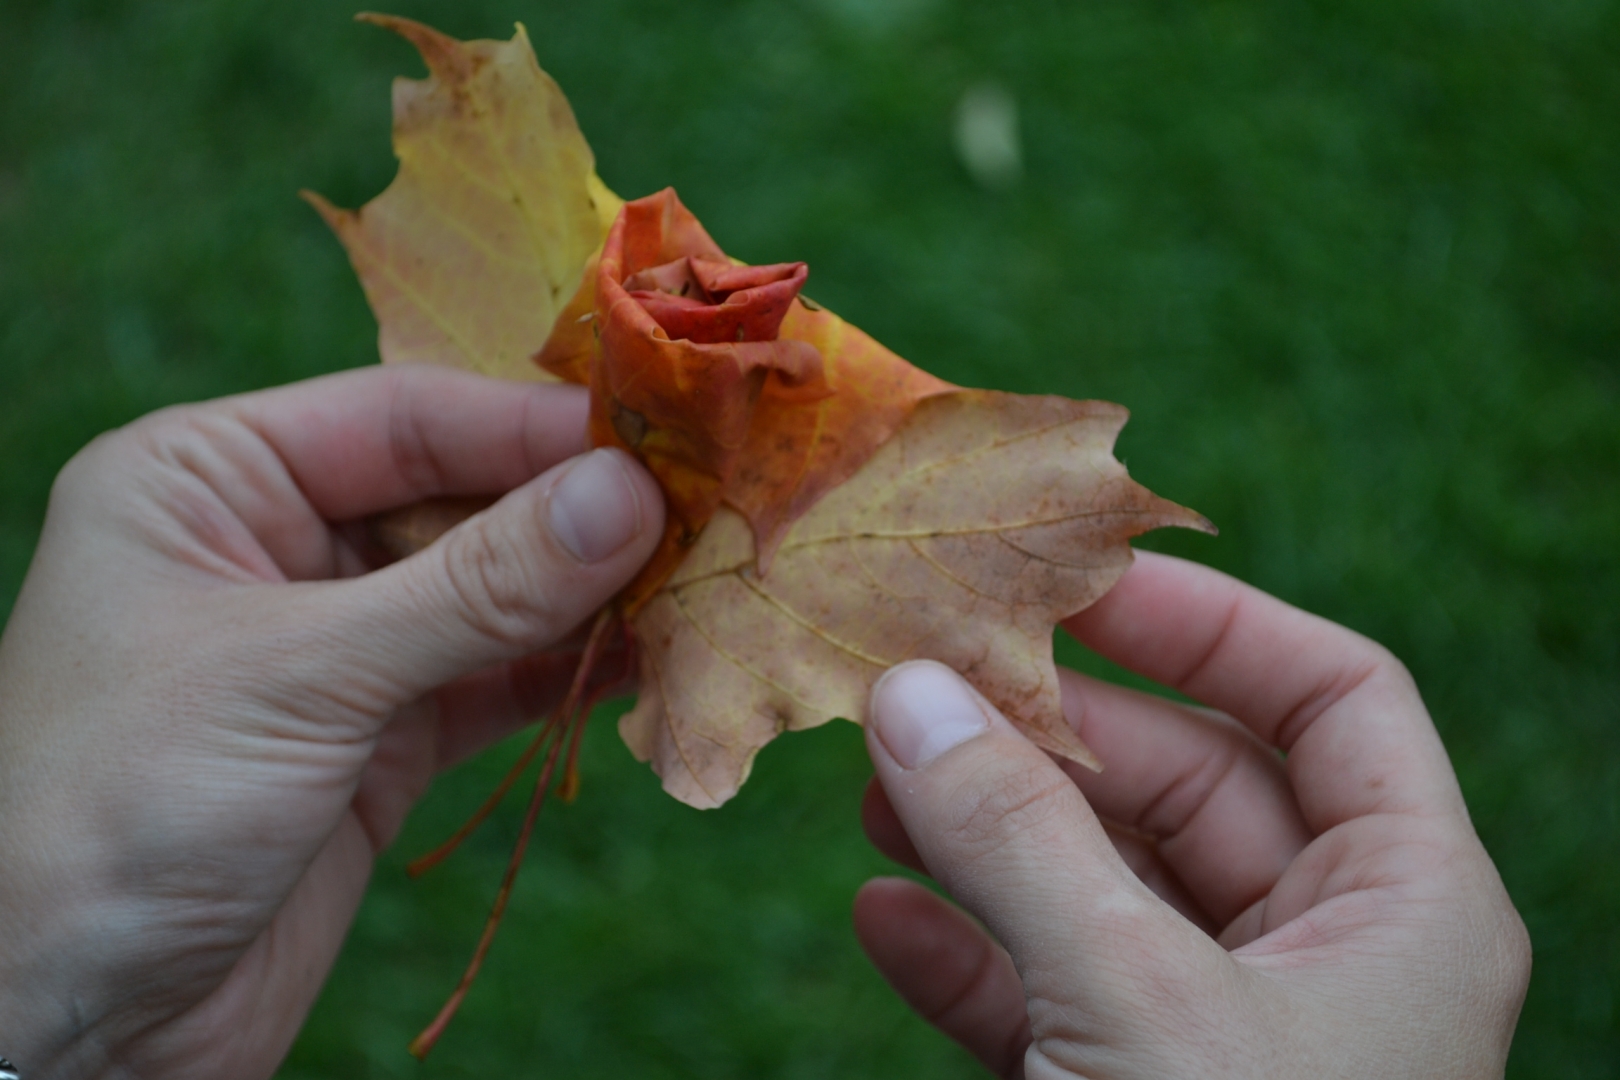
<point>102,466</point>
<point>83,468</point>
<point>498,585</point>
<point>1365,668</point>
<point>1520,963</point>
<point>1023,800</point>
<point>1403,682</point>
<point>1514,957</point>
<point>409,447</point>
<point>1379,663</point>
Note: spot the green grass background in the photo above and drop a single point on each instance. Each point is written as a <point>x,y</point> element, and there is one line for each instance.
<point>1354,266</point>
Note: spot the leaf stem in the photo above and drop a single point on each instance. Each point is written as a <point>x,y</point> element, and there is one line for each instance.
<point>571,714</point>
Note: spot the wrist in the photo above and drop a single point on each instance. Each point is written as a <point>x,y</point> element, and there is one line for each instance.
<point>52,1005</point>
<point>41,1033</point>
<point>55,965</point>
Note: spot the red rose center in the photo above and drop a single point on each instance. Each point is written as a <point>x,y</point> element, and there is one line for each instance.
<point>709,302</point>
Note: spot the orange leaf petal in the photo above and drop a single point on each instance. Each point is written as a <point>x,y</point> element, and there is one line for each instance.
<point>684,406</point>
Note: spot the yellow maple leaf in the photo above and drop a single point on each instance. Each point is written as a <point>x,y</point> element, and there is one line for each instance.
<point>483,236</point>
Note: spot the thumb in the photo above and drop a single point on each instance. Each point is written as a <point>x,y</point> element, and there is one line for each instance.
<point>1007,834</point>
<point>508,581</point>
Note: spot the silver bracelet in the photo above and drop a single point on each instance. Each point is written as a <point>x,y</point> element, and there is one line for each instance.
<point>8,1071</point>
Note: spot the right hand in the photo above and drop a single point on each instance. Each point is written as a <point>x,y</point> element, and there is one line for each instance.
<point>1296,892</point>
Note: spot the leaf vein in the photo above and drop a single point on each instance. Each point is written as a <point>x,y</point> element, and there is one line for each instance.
<point>474,239</point>
<point>535,232</point>
<point>978,530</point>
<point>948,574</point>
<point>422,304</point>
<point>669,718</point>
<point>842,646</point>
<point>735,661</point>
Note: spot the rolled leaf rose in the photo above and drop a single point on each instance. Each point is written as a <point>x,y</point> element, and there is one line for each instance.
<point>684,349</point>
<point>714,302</point>
<point>685,343</point>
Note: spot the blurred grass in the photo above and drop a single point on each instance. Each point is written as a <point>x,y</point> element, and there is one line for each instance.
<point>1354,266</point>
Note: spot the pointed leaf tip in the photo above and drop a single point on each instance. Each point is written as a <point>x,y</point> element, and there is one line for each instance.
<point>323,206</point>
<point>444,55</point>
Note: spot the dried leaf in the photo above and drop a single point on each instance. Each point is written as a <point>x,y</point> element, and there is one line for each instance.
<point>395,534</point>
<point>483,236</point>
<point>683,405</point>
<point>987,519</point>
<point>798,450</point>
<point>728,389</point>
<point>832,510</point>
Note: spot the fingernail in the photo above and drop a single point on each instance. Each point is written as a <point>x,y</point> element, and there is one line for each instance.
<point>922,710</point>
<point>593,509</point>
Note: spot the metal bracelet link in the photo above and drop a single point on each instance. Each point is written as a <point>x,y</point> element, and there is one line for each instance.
<point>8,1071</point>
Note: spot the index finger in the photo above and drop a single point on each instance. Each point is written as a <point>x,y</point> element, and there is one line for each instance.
<point>1358,738</point>
<point>373,439</point>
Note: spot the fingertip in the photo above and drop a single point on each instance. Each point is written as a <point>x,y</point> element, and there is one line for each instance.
<point>879,896</point>
<point>514,578</point>
<point>883,910</point>
<point>921,710</point>
<point>899,922</point>
<point>600,505</point>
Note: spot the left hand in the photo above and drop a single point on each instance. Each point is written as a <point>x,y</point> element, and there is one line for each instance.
<point>212,717</point>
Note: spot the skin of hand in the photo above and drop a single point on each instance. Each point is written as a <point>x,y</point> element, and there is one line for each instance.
<point>213,717</point>
<point>1288,887</point>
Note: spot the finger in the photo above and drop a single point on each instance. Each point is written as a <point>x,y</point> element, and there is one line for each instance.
<point>1213,798</point>
<point>947,969</point>
<point>1358,738</point>
<point>260,478</point>
<point>368,440</point>
<point>883,828</point>
<point>1139,853</point>
<point>506,583</point>
<point>1010,837</point>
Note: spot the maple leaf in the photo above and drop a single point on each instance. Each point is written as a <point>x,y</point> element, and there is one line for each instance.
<point>483,236</point>
<point>780,624</point>
<point>832,510</point>
<point>984,522</point>
<point>798,451</point>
